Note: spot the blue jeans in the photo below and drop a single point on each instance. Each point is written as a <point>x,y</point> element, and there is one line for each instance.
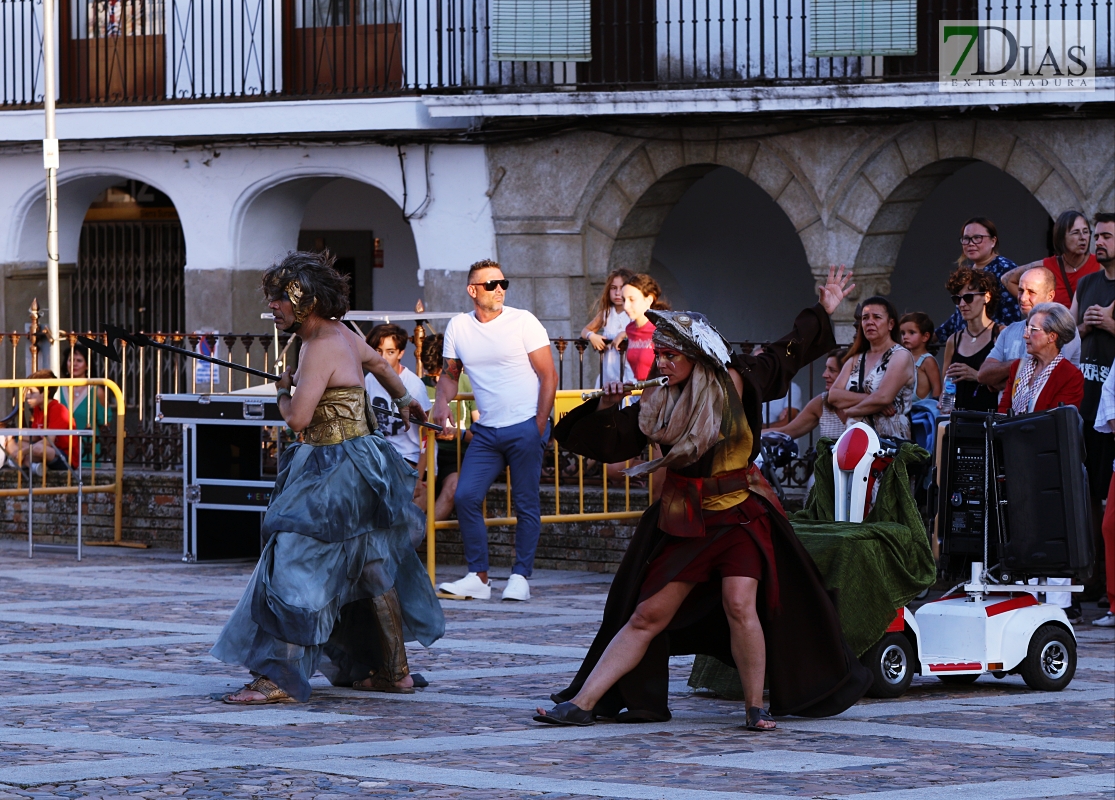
<point>491,449</point>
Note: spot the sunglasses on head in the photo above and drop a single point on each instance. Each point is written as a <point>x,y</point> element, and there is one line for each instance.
<point>968,297</point>
<point>490,286</point>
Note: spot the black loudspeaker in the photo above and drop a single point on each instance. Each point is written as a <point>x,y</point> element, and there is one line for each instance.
<point>1047,525</point>
<point>962,503</point>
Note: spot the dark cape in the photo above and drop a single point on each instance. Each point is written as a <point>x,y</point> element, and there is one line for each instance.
<point>811,671</point>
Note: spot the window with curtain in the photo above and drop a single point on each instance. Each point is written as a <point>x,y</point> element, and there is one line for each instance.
<point>862,28</point>
<point>540,30</point>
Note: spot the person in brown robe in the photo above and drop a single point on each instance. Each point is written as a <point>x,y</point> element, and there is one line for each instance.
<point>690,580</point>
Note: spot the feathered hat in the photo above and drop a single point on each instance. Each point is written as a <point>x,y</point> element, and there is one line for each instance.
<point>691,334</point>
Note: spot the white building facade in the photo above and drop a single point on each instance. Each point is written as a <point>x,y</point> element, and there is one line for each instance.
<point>291,123</point>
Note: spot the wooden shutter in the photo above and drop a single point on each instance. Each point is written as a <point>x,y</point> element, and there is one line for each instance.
<point>862,28</point>
<point>540,30</point>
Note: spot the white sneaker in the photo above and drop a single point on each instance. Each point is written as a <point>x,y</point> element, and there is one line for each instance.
<point>469,586</point>
<point>1106,621</point>
<point>517,588</point>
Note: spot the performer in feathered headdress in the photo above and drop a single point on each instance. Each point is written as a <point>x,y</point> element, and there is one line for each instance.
<point>691,578</point>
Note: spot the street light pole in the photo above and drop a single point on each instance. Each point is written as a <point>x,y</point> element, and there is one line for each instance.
<point>50,161</point>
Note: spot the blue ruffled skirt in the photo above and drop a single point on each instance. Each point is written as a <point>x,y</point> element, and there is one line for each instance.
<point>340,529</point>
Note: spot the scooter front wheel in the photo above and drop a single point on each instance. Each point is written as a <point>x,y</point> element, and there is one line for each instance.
<point>890,662</point>
<point>1050,662</point>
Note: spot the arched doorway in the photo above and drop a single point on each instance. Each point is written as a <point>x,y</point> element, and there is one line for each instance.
<point>929,245</point>
<point>374,245</point>
<point>728,250</point>
<point>131,262</point>
<point>718,243</point>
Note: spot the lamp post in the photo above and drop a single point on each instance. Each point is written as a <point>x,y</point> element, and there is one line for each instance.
<point>50,162</point>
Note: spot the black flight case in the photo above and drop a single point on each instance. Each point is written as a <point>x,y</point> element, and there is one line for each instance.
<point>230,449</point>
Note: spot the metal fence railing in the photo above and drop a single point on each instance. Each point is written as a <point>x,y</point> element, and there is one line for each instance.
<point>22,444</point>
<point>153,51</point>
<point>144,373</point>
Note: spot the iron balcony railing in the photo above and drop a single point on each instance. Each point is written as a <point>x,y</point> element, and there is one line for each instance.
<point>154,51</point>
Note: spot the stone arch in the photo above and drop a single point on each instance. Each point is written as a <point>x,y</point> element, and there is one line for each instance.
<point>81,307</point>
<point>881,198</point>
<point>76,190</point>
<point>268,214</point>
<point>626,212</point>
<point>265,224</point>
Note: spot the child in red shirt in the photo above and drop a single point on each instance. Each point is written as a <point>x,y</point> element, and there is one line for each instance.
<point>59,451</point>
<point>640,293</point>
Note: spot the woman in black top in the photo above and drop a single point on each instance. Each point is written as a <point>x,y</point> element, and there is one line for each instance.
<point>976,294</point>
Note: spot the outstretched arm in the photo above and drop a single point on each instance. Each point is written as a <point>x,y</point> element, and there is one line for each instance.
<point>771,371</point>
<point>803,423</point>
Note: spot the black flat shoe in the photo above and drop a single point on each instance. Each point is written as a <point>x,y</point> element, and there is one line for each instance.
<point>419,679</point>
<point>755,715</point>
<point>566,714</point>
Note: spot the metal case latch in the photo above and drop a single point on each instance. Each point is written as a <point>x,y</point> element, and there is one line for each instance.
<point>253,409</point>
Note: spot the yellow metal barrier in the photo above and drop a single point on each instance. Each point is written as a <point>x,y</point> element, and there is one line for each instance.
<point>564,401</point>
<point>117,485</point>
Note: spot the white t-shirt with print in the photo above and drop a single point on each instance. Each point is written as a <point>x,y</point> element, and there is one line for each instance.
<point>408,443</point>
<point>495,355</point>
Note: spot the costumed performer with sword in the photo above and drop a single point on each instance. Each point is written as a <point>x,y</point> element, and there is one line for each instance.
<point>339,585</point>
<point>690,580</point>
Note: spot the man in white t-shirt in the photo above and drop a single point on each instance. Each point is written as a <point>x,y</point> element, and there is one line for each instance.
<point>506,353</point>
<point>390,341</point>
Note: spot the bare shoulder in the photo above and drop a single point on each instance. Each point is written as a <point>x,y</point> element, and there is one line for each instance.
<point>737,380</point>
<point>902,356</point>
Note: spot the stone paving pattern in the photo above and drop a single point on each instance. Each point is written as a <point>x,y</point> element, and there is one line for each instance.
<point>109,691</point>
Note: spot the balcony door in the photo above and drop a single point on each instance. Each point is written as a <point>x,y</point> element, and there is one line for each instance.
<point>624,50</point>
<point>113,50</point>
<point>930,14</point>
<point>342,46</point>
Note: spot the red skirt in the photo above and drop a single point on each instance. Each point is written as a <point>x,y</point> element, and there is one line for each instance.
<point>737,544</point>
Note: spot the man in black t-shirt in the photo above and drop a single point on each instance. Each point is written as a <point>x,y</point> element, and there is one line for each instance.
<point>1092,306</point>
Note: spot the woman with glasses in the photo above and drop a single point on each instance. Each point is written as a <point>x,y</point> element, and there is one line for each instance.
<point>979,245</point>
<point>1043,378</point>
<point>975,294</point>
<point>1070,261</point>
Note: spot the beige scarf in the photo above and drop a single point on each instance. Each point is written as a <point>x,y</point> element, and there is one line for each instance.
<point>685,419</point>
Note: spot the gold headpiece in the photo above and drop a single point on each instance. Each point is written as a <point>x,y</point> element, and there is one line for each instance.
<point>301,310</point>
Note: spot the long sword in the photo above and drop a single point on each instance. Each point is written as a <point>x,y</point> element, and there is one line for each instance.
<point>114,333</point>
<point>628,387</point>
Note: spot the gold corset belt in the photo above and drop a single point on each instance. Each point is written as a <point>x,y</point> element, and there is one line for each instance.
<point>339,415</point>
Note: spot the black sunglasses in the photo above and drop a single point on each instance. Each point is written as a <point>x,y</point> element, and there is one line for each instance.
<point>490,286</point>
<point>967,298</point>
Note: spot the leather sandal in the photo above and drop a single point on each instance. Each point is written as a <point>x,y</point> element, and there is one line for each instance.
<point>270,691</point>
<point>378,683</point>
<point>567,714</point>
<point>755,715</point>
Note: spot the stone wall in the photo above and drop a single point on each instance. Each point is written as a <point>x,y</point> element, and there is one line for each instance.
<point>849,190</point>
<point>152,515</point>
<point>152,511</point>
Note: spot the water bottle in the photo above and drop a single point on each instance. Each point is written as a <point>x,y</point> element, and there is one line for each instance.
<point>948,397</point>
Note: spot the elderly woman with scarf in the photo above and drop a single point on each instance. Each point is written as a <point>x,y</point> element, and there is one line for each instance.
<point>1043,378</point>
<point>690,580</point>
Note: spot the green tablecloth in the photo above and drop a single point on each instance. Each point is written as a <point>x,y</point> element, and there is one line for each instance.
<point>871,568</point>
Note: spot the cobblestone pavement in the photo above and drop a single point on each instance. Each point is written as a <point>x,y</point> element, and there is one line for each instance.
<point>108,692</point>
